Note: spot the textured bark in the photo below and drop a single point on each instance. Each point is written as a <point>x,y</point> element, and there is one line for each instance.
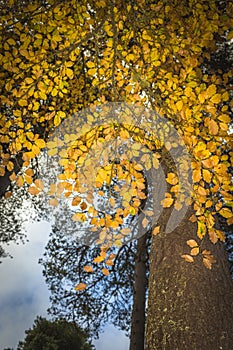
<point>137,336</point>
<point>189,306</point>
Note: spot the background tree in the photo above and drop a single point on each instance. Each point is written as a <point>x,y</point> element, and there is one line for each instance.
<point>107,298</point>
<point>57,335</point>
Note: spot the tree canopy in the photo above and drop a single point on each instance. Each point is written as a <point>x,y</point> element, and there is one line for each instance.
<point>58,58</point>
<point>56,335</point>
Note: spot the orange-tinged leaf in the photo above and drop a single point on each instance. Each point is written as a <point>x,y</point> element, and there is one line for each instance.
<point>80,286</point>
<point>83,205</point>
<point>213,127</point>
<point>187,258</point>
<point>156,230</point>
<point>213,235</point>
<point>80,217</point>
<point>193,218</point>
<point>39,183</point>
<point>33,190</point>
<point>10,166</point>
<point>207,263</point>
<point>195,251</point>
<point>8,194</point>
<point>105,272</point>
<point>201,191</point>
<point>76,200</point>
<point>20,181</point>
<point>125,231</point>
<point>53,202</point>
<point>88,268</point>
<point>192,243</point>
<point>145,222</point>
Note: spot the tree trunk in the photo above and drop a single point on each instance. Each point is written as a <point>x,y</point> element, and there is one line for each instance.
<point>137,335</point>
<point>189,306</point>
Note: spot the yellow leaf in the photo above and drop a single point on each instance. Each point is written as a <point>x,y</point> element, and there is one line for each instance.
<point>187,258</point>
<point>57,120</point>
<point>88,268</point>
<point>172,178</point>
<point>167,202</point>
<point>229,35</point>
<point>226,213</point>
<point>90,64</point>
<point>207,175</point>
<point>40,143</point>
<point>192,243</point>
<point>80,286</point>
<point>23,103</point>
<point>201,229</point>
<point>211,90</point>
<point>156,230</point>
<point>195,251</point>
<point>179,105</point>
<point>69,73</point>
<point>216,98</point>
<point>105,272</point>
<point>92,71</point>
<point>118,243</point>
<point>224,118</point>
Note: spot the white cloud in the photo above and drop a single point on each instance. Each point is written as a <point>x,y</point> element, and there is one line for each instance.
<point>113,339</point>
<point>24,294</point>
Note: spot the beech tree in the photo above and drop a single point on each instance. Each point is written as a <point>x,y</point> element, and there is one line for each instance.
<point>165,113</point>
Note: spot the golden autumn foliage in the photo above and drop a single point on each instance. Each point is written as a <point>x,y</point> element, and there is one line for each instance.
<point>58,58</point>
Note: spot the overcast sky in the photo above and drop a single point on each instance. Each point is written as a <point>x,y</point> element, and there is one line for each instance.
<point>24,294</point>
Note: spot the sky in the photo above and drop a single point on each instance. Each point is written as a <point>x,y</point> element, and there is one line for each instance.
<point>24,294</point>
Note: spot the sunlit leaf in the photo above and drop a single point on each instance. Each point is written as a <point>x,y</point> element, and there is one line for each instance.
<point>80,286</point>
